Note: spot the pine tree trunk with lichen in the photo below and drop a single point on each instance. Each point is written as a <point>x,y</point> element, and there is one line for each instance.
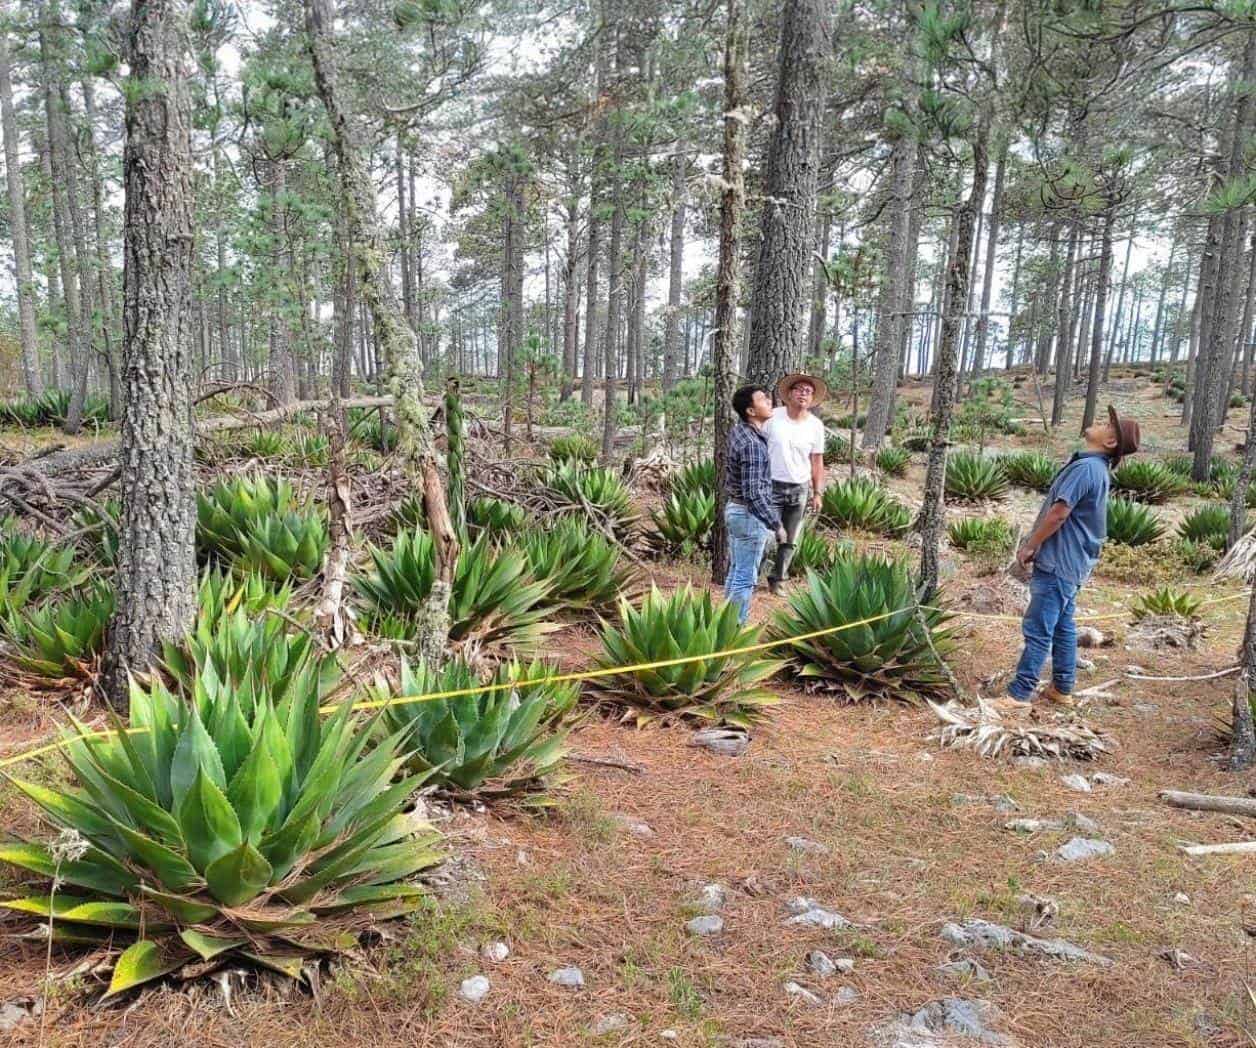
<point>455,459</point>
<point>415,446</point>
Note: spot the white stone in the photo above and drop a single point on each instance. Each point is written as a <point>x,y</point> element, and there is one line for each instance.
<point>669,1034</point>
<point>846,995</point>
<point>819,963</point>
<point>474,989</point>
<point>806,845</point>
<point>845,965</point>
<point>1076,782</point>
<point>612,1023</point>
<point>1079,848</point>
<point>793,989</point>
<point>1103,778</point>
<point>707,924</point>
<point>820,918</point>
<point>495,952</point>
<point>1032,825</point>
<point>572,978</point>
<point>712,898</point>
<point>1182,899</point>
<point>1082,823</point>
<point>635,826</point>
<point>801,904</point>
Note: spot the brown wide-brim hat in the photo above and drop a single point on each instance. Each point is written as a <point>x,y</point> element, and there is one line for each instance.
<point>790,381</point>
<point>1127,436</point>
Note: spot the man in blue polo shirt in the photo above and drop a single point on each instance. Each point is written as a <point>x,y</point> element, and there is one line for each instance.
<point>1062,550</point>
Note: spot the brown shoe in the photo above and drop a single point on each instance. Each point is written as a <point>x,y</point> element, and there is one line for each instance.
<point>1052,696</point>
<point>1009,707</point>
<point>775,587</point>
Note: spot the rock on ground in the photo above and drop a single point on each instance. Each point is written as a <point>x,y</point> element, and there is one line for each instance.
<point>806,845</point>
<point>724,741</point>
<point>615,1022</point>
<point>961,1016</point>
<point>707,924</point>
<point>633,825</point>
<point>820,918</point>
<point>474,989</point>
<point>711,898</point>
<point>495,952</point>
<point>818,962</point>
<point>793,989</point>
<point>964,969</point>
<point>983,935</point>
<point>1078,849</point>
<point>1076,782</point>
<point>572,978</point>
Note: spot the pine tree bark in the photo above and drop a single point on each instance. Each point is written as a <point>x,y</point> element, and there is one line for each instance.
<point>1101,298</point>
<point>819,290</point>
<point>571,296</point>
<point>891,320</point>
<point>614,297</point>
<point>987,280</point>
<point>1119,316</point>
<point>104,268</point>
<point>779,302</point>
<point>1247,340</point>
<point>415,446</point>
<point>1063,333</point>
<point>1243,734</point>
<point>1157,334</point>
<point>18,229</point>
<point>675,274</point>
<point>156,572</point>
<point>728,275</point>
<point>932,506</point>
<point>1042,355</point>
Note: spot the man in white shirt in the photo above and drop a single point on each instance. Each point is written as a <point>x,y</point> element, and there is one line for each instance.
<point>796,453</point>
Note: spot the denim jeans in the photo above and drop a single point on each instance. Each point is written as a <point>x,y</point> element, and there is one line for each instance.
<point>747,535</point>
<point>1048,629</point>
<point>791,501</point>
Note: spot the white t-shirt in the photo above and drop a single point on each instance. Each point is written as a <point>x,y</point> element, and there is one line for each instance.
<point>791,445</point>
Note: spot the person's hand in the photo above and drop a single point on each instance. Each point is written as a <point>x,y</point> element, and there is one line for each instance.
<point>781,534</point>
<point>815,502</point>
<point>1025,555</point>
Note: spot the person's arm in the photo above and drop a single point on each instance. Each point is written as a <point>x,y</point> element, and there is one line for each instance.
<point>817,480</point>
<point>1050,523</point>
<point>758,495</point>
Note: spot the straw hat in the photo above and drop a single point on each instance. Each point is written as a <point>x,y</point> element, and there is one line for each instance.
<point>790,381</point>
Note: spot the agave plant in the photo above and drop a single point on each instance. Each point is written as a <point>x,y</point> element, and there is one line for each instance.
<point>311,450</point>
<point>494,599</point>
<point>1131,524</point>
<point>230,825</point>
<point>1166,600</point>
<point>266,444</point>
<point>893,460</point>
<point>369,430</point>
<point>583,569</point>
<point>573,447</point>
<point>501,737</point>
<point>973,478</point>
<point>684,522</point>
<point>858,502</point>
<point>685,624</point>
<point>496,517</point>
<point>31,568</point>
<point>221,594</point>
<point>63,638</point>
<point>980,533</point>
<point>1179,464</point>
<point>100,530</point>
<point>836,448</point>
<point>1147,481</point>
<point>1029,469</point>
<point>229,511</point>
<point>285,546</point>
<point>1209,524</point>
<point>892,646</point>
<point>582,489</point>
<point>695,477</point>
<point>814,552</point>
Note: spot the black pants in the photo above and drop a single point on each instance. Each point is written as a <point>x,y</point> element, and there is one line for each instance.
<point>791,501</point>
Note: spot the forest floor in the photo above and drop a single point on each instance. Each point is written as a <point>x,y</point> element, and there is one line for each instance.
<point>912,839</point>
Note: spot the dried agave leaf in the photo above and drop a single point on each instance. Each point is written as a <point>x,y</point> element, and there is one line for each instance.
<point>981,728</point>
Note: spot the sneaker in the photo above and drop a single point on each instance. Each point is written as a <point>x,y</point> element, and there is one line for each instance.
<point>1051,696</point>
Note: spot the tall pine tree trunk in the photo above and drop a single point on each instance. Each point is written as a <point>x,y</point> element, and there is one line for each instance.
<point>415,446</point>
<point>104,268</point>
<point>156,572</point>
<point>987,280</point>
<point>1063,333</point>
<point>18,229</point>
<point>675,274</point>
<point>1101,298</point>
<point>779,302</point>
<point>571,297</point>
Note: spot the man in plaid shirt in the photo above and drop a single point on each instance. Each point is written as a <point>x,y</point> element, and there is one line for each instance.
<point>750,516</point>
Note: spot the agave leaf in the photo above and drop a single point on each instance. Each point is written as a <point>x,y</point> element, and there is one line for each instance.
<point>239,876</point>
<point>142,962</point>
<point>79,910</point>
<point>208,946</point>
<point>183,908</point>
<point>209,823</point>
<point>96,870</point>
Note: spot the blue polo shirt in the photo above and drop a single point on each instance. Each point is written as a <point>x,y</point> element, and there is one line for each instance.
<point>1072,552</point>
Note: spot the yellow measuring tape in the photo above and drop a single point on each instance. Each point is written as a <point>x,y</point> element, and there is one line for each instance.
<point>611,671</point>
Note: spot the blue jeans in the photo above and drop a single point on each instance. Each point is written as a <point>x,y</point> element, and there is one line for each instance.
<point>747,536</point>
<point>1048,629</point>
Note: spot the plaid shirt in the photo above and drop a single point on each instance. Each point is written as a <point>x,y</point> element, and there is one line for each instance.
<point>748,478</point>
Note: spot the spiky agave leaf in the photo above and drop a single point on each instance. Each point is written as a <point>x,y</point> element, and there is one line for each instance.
<point>1029,469</point>
<point>1147,481</point>
<point>62,638</point>
<point>1131,524</point>
<point>696,476</point>
<point>230,510</point>
<point>684,522</point>
<point>494,599</point>
<point>981,728</point>
<point>31,569</point>
<point>884,652</point>
<point>228,826</point>
<point>284,546</point>
<point>1210,524</point>
<point>979,532</point>
<point>816,552</point>
<point>584,488</point>
<point>573,447</point>
<point>893,460</point>
<point>1165,600</point>
<point>505,738</point>
<point>859,502</point>
<point>972,478</point>
<point>496,518</point>
<point>723,688</point>
<point>584,570</point>
<point>101,528</point>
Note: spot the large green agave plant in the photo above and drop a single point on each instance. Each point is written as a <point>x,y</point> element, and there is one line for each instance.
<point>696,476</point>
<point>1131,524</point>
<point>972,478</point>
<point>232,508</point>
<point>100,530</point>
<point>886,651</point>
<point>584,570</point>
<point>62,638</point>
<point>573,448</point>
<point>221,594</point>
<point>494,599</point>
<point>225,826</point>
<point>496,517</point>
<point>859,502</point>
<point>1147,481</point>
<point>285,546</point>
<point>684,522</point>
<point>504,737</point>
<point>600,490</point>
<point>1029,469</point>
<point>720,688</point>
<point>31,569</point>
<point>816,552</point>
<point>1209,524</point>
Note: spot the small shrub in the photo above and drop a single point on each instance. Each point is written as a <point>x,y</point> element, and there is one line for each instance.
<point>1132,524</point>
<point>893,460</point>
<point>1197,557</point>
<point>974,478</point>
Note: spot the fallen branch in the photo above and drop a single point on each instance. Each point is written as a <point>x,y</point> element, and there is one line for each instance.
<point>1233,848</point>
<point>607,762</point>
<point>1206,676</point>
<point>1207,802</point>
